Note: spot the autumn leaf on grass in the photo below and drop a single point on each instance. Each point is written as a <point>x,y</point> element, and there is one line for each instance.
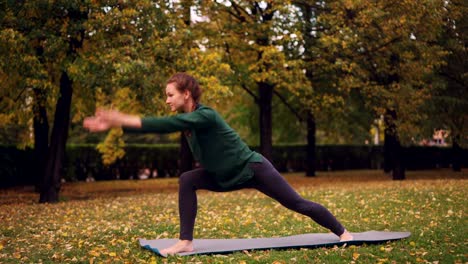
<point>356,255</point>
<point>278,262</point>
<point>17,255</point>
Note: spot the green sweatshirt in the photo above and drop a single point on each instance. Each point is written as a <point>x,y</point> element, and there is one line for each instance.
<point>214,144</point>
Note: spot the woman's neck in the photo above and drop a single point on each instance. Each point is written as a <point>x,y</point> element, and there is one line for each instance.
<point>190,106</point>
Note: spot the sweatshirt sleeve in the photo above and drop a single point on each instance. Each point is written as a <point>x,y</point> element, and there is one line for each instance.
<point>179,122</point>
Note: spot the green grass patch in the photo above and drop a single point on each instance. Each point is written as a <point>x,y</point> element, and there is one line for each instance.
<point>100,222</point>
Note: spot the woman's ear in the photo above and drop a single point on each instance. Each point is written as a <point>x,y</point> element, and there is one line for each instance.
<point>187,94</point>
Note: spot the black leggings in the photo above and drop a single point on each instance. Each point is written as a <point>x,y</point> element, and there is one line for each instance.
<point>266,179</point>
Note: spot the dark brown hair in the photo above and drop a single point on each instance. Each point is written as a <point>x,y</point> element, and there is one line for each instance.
<point>184,81</point>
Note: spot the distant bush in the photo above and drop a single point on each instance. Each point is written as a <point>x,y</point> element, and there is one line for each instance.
<point>83,162</point>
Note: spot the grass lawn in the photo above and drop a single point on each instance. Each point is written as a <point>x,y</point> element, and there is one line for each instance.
<point>100,222</point>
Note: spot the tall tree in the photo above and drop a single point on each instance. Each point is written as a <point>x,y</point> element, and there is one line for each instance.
<point>448,107</point>
<point>117,54</point>
<point>148,40</point>
<point>51,34</point>
<point>327,106</point>
<point>250,33</point>
<point>25,86</point>
<point>321,97</point>
<point>71,37</point>
<point>387,50</point>
<point>307,29</point>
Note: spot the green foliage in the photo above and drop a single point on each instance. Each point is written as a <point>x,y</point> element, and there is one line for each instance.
<point>135,47</point>
<point>250,36</point>
<point>38,42</point>
<point>346,62</point>
<point>387,50</point>
<point>448,106</point>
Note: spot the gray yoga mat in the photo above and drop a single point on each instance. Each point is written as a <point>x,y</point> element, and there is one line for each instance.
<point>223,246</point>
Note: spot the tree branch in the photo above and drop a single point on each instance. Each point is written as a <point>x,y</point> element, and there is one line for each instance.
<point>288,105</point>
<point>237,14</point>
<point>15,100</point>
<point>386,44</point>
<point>239,9</point>
<point>228,52</point>
<point>256,99</point>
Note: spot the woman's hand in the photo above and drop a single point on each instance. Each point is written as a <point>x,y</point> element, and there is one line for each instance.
<point>96,124</point>
<point>103,120</point>
<point>106,119</point>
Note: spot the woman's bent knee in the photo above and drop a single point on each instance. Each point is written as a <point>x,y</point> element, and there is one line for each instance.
<point>186,179</point>
<point>192,179</point>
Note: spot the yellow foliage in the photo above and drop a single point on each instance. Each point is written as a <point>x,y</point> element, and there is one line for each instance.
<point>5,119</point>
<point>112,147</point>
<point>123,99</point>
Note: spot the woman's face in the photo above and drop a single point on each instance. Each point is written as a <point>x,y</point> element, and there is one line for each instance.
<point>176,99</point>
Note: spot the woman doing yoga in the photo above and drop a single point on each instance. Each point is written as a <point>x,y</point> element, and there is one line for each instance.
<point>227,163</point>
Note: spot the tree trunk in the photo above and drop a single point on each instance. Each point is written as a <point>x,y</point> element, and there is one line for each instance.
<point>311,158</point>
<point>393,152</point>
<point>52,176</point>
<point>456,154</point>
<point>41,137</point>
<point>187,14</point>
<point>40,125</point>
<point>399,167</point>
<point>186,158</point>
<point>265,98</point>
<point>387,151</point>
<point>309,10</point>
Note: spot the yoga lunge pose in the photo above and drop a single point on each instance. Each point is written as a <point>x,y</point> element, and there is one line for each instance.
<point>227,163</point>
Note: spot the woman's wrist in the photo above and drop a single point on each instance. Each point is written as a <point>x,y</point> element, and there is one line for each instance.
<point>129,121</point>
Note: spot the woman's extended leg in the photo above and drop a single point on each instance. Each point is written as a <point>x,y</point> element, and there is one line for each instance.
<point>270,182</point>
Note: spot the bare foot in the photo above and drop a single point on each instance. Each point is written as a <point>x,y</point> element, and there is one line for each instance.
<point>346,236</point>
<point>179,247</point>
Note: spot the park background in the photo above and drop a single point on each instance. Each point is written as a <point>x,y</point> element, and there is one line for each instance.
<point>317,87</point>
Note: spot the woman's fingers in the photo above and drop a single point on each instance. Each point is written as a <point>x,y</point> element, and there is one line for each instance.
<point>88,122</point>
<point>100,112</point>
<point>102,120</point>
<point>94,124</point>
<point>107,115</point>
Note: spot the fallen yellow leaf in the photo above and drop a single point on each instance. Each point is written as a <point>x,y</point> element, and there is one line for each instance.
<point>356,255</point>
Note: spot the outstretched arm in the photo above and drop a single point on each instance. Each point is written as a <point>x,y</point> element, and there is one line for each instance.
<point>106,119</point>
